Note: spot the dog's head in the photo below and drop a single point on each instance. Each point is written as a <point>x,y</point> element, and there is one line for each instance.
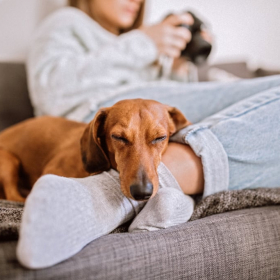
<point>131,137</point>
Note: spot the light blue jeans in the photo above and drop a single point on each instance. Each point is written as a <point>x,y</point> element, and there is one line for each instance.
<point>236,132</point>
<point>236,129</point>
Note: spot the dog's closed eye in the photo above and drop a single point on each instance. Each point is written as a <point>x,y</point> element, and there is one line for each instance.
<point>120,139</point>
<point>159,139</point>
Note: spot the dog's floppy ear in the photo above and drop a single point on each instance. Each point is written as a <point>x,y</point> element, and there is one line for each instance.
<point>93,144</point>
<point>178,119</point>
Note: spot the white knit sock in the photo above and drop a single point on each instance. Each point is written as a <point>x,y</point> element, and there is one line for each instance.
<point>62,215</point>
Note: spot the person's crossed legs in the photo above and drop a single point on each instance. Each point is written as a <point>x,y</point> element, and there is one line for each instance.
<point>236,148</point>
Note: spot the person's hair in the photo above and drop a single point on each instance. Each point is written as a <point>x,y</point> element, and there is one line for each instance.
<point>84,6</point>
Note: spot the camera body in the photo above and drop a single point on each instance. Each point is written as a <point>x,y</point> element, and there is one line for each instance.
<point>197,50</point>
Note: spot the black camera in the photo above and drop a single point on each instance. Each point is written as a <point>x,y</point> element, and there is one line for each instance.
<point>197,50</point>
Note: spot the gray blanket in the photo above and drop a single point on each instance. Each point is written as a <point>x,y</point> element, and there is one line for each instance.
<point>11,212</point>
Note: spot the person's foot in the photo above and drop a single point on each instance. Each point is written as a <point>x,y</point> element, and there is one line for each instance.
<point>169,207</point>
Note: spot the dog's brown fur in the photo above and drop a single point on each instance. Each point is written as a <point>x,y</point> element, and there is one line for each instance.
<point>130,136</point>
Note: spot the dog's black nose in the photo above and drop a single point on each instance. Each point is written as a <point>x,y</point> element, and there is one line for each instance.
<point>141,192</point>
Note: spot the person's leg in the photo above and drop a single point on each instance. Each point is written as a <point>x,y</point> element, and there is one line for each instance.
<point>62,215</point>
<point>239,147</point>
<point>197,100</point>
<point>215,160</point>
<point>185,166</point>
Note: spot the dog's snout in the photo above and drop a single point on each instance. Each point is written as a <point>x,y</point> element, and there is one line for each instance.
<point>141,192</point>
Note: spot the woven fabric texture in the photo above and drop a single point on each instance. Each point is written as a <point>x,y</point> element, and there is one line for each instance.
<point>243,244</point>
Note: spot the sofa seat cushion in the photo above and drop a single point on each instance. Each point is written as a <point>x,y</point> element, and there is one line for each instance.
<point>242,244</point>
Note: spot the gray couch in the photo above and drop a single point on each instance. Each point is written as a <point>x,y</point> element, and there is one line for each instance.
<point>240,244</point>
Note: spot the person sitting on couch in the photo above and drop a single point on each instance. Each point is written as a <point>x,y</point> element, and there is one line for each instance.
<point>74,60</point>
<point>83,57</point>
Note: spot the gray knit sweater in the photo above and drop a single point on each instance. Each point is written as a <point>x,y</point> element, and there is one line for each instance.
<point>74,64</point>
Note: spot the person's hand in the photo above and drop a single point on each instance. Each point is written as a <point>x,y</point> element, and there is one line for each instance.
<point>169,38</point>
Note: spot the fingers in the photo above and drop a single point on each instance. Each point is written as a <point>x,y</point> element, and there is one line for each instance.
<point>177,36</point>
<point>180,19</point>
<point>183,33</point>
<point>174,41</point>
<point>169,37</point>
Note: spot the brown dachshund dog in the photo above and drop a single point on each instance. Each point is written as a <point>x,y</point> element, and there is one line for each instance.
<point>130,136</point>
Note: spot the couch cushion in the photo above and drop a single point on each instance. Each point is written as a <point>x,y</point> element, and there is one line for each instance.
<point>15,105</point>
<point>243,244</point>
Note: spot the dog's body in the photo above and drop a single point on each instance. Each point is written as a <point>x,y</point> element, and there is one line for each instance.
<point>129,137</point>
<point>38,146</point>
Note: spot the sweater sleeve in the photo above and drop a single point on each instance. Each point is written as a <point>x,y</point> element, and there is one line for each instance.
<point>66,63</point>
